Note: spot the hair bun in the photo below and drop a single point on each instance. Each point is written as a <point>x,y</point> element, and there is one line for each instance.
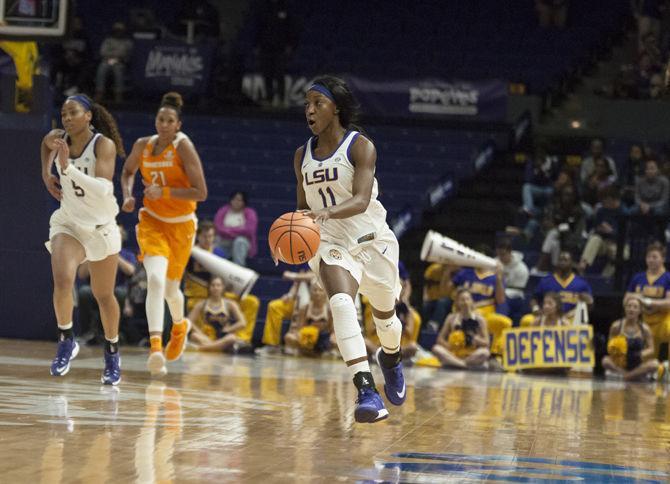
<point>173,98</point>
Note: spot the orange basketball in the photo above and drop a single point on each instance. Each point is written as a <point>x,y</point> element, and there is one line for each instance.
<point>294,238</point>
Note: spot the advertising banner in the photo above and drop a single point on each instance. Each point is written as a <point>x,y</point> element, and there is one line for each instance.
<point>161,66</point>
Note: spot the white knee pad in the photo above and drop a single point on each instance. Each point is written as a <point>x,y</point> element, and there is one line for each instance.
<point>348,332</point>
<point>389,332</point>
<point>175,299</point>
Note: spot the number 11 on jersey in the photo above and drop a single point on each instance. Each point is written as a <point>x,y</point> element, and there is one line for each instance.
<point>330,193</point>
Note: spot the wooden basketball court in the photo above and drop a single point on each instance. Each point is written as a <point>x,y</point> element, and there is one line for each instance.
<point>218,418</point>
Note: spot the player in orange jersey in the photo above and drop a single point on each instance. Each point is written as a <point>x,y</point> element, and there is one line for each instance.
<point>174,181</point>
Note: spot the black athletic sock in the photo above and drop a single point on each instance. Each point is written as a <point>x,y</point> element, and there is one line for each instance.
<point>389,360</point>
<point>111,347</point>
<point>363,379</point>
<point>64,334</point>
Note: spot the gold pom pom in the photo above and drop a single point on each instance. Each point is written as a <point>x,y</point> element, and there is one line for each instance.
<point>617,346</point>
<point>456,340</point>
<point>308,336</point>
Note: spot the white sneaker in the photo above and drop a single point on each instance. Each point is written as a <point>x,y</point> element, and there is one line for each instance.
<point>268,350</point>
<point>156,364</point>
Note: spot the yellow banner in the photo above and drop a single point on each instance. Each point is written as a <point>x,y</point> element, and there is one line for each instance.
<point>549,347</point>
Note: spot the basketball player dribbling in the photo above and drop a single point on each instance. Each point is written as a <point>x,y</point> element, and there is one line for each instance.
<point>174,181</point>
<point>84,227</point>
<point>336,186</point>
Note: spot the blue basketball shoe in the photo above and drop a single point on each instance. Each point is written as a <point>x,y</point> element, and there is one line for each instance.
<point>394,382</point>
<point>68,349</point>
<point>369,406</point>
<point>111,375</point>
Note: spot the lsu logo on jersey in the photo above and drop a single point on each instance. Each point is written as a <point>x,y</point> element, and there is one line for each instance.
<point>321,175</point>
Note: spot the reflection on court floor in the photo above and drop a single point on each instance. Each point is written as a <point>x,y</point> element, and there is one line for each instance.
<point>278,419</point>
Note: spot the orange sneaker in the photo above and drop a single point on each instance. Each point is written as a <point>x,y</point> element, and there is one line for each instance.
<point>178,336</point>
<point>156,360</point>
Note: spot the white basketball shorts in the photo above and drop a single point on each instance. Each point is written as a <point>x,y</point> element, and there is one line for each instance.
<point>99,242</point>
<point>373,264</point>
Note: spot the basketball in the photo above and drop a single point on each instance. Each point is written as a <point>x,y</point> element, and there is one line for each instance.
<point>294,238</point>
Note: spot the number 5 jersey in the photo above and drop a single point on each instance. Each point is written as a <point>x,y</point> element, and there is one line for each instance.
<point>81,206</point>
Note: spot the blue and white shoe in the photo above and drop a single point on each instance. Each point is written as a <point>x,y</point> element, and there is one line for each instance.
<point>68,349</point>
<point>394,382</point>
<point>111,375</point>
<point>369,407</point>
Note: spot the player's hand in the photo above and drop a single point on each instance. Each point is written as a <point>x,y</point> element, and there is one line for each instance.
<point>51,182</point>
<point>63,153</point>
<point>289,275</point>
<point>153,192</point>
<point>128,204</point>
<point>319,216</point>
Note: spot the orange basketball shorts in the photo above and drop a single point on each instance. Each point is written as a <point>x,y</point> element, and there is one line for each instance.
<point>170,240</point>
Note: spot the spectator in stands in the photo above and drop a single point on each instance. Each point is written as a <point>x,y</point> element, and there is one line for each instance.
<point>564,179</point>
<point>602,239</point>
<point>566,223</point>
<point>276,37</point>
<point>143,24</point>
<point>515,277</point>
<point>463,341</point>
<point>634,168</point>
<point>437,294</point>
<point>202,16</point>
<point>652,288</point>
<point>487,289</point>
<point>588,164</point>
<point>71,65</point>
<point>538,187</point>
<point>552,13</point>
<point>648,16</point>
<point>221,324</point>
<point>552,311</point>
<point>599,179</point>
<point>311,333</point>
<point>631,344</point>
<point>651,191</point>
<point>115,53</point>
<point>648,79</point>
<point>285,307</point>
<point>196,280</point>
<point>89,313</point>
<point>571,287</point>
<point>409,317</point>
<point>236,227</point>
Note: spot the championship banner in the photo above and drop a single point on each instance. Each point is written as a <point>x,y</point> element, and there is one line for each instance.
<point>549,347</point>
<point>158,67</point>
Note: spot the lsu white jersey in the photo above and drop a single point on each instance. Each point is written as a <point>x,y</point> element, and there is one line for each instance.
<point>84,208</point>
<point>328,182</point>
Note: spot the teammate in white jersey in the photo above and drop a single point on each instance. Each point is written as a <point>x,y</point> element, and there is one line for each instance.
<point>335,171</point>
<point>77,169</point>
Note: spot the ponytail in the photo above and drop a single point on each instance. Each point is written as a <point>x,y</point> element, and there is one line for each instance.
<point>104,122</point>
